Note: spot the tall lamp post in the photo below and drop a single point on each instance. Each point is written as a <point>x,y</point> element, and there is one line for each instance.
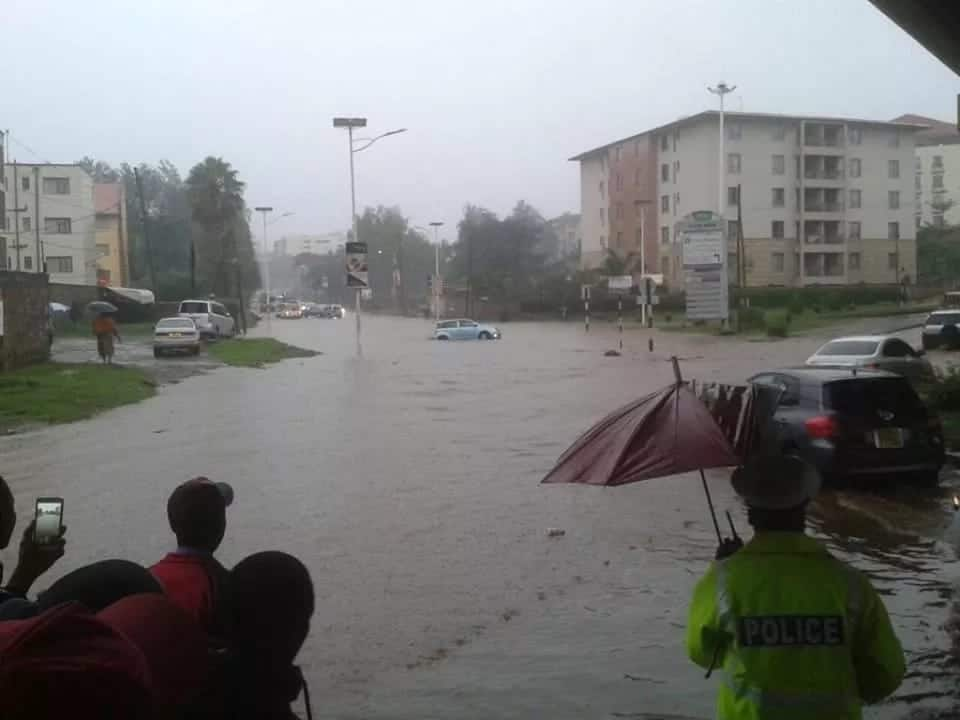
<point>263,210</point>
<point>436,225</point>
<point>720,90</point>
<point>351,123</point>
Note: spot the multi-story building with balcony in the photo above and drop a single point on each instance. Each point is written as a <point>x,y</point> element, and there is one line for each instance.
<point>49,222</point>
<point>936,172</point>
<point>822,200</point>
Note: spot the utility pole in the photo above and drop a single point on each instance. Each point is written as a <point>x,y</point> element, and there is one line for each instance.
<point>643,259</point>
<point>263,210</point>
<point>16,213</point>
<point>721,89</point>
<point>41,257</point>
<point>146,232</point>
<point>437,290</point>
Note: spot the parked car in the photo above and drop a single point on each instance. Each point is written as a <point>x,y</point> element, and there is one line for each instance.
<point>176,334</point>
<point>940,330</point>
<point>335,312</point>
<point>290,311</point>
<point>212,319</point>
<point>464,330</point>
<point>873,352</point>
<point>868,423</point>
<point>313,310</point>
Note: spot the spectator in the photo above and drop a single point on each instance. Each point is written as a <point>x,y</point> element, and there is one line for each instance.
<point>105,329</point>
<point>33,559</point>
<point>100,585</point>
<point>191,577</point>
<point>271,604</point>
<point>141,658</point>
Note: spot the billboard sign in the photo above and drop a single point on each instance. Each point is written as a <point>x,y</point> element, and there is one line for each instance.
<point>356,253</point>
<point>620,283</point>
<point>704,243</point>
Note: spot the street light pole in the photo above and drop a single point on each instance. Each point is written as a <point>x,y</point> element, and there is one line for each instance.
<point>263,210</point>
<point>720,90</point>
<point>350,124</point>
<point>436,225</point>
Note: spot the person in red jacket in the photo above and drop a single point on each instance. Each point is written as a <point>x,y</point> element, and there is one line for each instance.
<point>191,577</point>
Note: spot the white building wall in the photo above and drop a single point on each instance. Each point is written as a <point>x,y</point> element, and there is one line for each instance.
<point>593,224</point>
<point>293,245</point>
<point>949,169</point>
<point>76,206</point>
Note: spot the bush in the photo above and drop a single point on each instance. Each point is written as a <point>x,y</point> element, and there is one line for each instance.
<point>751,318</point>
<point>777,323</point>
<point>798,299</point>
<point>944,392</point>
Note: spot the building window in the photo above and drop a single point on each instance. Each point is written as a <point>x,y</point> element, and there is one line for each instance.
<point>665,264</point>
<point>855,135</point>
<point>938,182</point>
<point>780,131</point>
<point>676,203</point>
<point>796,198</point>
<point>937,162</point>
<point>59,264</point>
<point>776,262</point>
<point>56,186</point>
<point>893,231</point>
<point>636,208</point>
<point>665,173</point>
<point>796,165</point>
<point>776,230</point>
<point>855,199</point>
<point>779,165</point>
<point>732,229</point>
<point>733,163</point>
<point>664,203</point>
<point>603,243</point>
<point>619,211</point>
<point>891,261</point>
<point>664,142</point>
<point>733,193</point>
<point>676,169</point>
<point>664,235</point>
<point>853,262</point>
<point>895,139</point>
<point>778,197</point>
<point>854,167</point>
<point>636,177</point>
<point>619,240</point>
<point>601,190</point>
<point>103,250</point>
<point>616,153</point>
<point>27,262</point>
<point>27,223</point>
<point>603,216</point>
<point>676,137</point>
<point>893,199</point>
<point>619,181</point>
<point>893,168</point>
<point>25,183</point>
<point>56,226</point>
<point>734,131</point>
<point>853,230</point>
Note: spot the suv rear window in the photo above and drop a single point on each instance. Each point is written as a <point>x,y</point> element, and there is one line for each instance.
<point>194,308</point>
<point>865,396</point>
<point>849,347</point>
<point>944,319</point>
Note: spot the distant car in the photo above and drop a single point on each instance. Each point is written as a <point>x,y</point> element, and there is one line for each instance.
<point>873,352</point>
<point>869,424</point>
<point>940,329</point>
<point>176,334</point>
<point>313,310</point>
<point>464,330</point>
<point>212,318</point>
<point>290,311</point>
<point>335,312</point>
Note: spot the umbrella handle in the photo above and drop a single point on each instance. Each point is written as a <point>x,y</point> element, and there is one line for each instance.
<point>713,513</point>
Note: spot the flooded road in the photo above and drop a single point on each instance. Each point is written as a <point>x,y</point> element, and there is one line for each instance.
<point>408,483</point>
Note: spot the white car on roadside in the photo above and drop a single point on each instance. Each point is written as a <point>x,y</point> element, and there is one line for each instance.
<point>176,334</point>
<point>873,352</point>
<point>212,318</point>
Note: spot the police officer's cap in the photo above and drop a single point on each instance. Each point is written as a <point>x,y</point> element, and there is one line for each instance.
<point>776,482</point>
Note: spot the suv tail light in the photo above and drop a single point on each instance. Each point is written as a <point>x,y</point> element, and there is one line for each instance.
<point>821,427</point>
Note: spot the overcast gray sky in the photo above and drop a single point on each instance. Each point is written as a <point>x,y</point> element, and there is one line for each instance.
<point>497,94</point>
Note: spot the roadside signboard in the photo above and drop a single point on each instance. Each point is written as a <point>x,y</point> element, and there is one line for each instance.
<point>584,292</point>
<point>704,242</point>
<point>620,283</point>
<point>356,253</point>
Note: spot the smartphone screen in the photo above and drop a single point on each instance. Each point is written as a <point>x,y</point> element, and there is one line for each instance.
<point>49,520</point>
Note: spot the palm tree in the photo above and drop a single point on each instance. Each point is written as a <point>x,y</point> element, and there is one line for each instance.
<point>216,203</point>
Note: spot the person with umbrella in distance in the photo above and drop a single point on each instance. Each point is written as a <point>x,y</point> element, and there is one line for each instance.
<point>795,632</point>
<point>104,329</point>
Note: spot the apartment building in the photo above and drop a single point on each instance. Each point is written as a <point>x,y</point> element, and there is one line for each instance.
<point>936,172</point>
<point>49,219</point>
<point>111,234</point>
<point>566,230</point>
<point>293,245</point>
<point>823,200</point>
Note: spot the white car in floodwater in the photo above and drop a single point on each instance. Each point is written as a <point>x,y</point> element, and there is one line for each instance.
<point>176,334</point>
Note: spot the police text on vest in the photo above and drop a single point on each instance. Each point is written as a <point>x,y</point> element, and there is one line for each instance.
<point>781,630</point>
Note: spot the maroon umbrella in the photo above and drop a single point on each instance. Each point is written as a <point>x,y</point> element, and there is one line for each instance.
<point>666,433</point>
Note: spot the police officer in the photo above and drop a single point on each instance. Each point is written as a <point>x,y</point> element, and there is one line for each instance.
<point>794,632</point>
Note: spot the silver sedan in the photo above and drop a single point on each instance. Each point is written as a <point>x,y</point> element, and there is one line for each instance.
<point>176,334</point>
<point>873,352</point>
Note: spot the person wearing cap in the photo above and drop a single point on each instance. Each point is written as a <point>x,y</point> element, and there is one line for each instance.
<point>795,632</point>
<point>191,577</point>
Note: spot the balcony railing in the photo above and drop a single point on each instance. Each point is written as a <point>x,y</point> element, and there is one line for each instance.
<point>823,175</point>
<point>823,207</point>
<point>824,239</point>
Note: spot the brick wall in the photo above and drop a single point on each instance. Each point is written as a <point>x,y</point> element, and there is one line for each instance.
<point>25,305</point>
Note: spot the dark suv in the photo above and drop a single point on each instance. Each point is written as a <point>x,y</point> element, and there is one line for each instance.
<point>856,424</point>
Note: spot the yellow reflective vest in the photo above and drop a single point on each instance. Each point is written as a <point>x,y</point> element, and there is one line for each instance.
<point>793,633</point>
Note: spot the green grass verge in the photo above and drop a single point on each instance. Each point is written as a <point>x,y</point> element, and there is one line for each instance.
<point>254,352</point>
<point>83,329</point>
<point>60,392</point>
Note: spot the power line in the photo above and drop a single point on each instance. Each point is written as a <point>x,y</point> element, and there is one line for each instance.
<point>27,148</point>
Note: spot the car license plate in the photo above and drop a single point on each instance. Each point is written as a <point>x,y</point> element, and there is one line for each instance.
<point>174,334</point>
<point>888,438</point>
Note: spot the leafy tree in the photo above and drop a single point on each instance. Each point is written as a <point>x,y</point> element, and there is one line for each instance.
<point>938,255</point>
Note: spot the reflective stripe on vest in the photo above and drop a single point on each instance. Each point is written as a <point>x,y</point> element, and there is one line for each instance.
<point>767,700</point>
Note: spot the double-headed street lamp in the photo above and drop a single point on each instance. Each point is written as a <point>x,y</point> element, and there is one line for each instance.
<point>350,123</point>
